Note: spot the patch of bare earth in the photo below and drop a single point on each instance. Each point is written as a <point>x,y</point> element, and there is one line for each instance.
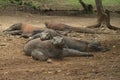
<point>14,65</point>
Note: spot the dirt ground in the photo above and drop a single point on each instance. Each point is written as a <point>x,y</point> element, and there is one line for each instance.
<point>14,65</point>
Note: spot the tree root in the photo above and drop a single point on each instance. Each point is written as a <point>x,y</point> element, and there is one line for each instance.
<point>104,19</point>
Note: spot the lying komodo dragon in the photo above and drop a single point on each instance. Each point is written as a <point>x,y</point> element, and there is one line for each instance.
<point>22,29</point>
<point>42,50</point>
<point>47,34</point>
<point>64,27</point>
<point>83,46</point>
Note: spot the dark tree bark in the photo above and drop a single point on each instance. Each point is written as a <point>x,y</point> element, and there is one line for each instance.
<point>87,7</point>
<point>103,17</point>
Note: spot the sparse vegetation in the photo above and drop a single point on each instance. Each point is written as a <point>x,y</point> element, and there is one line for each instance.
<point>60,5</point>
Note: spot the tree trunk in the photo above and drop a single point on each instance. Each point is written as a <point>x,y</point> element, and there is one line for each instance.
<point>103,17</point>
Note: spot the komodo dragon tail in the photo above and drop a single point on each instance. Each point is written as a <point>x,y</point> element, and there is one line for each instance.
<point>75,53</point>
<point>87,30</point>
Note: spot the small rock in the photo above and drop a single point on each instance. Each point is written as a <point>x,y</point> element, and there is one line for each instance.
<point>49,72</point>
<point>49,61</point>
<point>68,73</point>
<point>59,71</point>
<point>5,73</point>
<point>114,46</point>
<point>102,28</point>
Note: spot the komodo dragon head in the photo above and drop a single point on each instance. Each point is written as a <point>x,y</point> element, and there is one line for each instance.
<point>48,34</point>
<point>45,36</point>
<point>58,41</point>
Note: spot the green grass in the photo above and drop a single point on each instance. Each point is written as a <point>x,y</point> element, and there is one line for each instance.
<point>76,4</point>
<point>105,2</point>
<point>111,2</point>
<point>3,2</point>
<point>65,4</point>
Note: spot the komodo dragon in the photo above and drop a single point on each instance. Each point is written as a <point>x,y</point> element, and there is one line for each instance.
<point>71,43</point>
<point>64,27</point>
<point>42,50</point>
<point>22,29</point>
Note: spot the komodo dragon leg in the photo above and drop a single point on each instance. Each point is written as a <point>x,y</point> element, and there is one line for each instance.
<point>75,53</point>
<point>37,55</point>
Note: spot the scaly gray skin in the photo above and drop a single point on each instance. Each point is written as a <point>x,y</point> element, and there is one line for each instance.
<point>38,55</point>
<point>75,53</point>
<point>15,29</point>
<point>42,50</point>
<point>83,46</point>
<point>47,34</point>
<point>71,43</point>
